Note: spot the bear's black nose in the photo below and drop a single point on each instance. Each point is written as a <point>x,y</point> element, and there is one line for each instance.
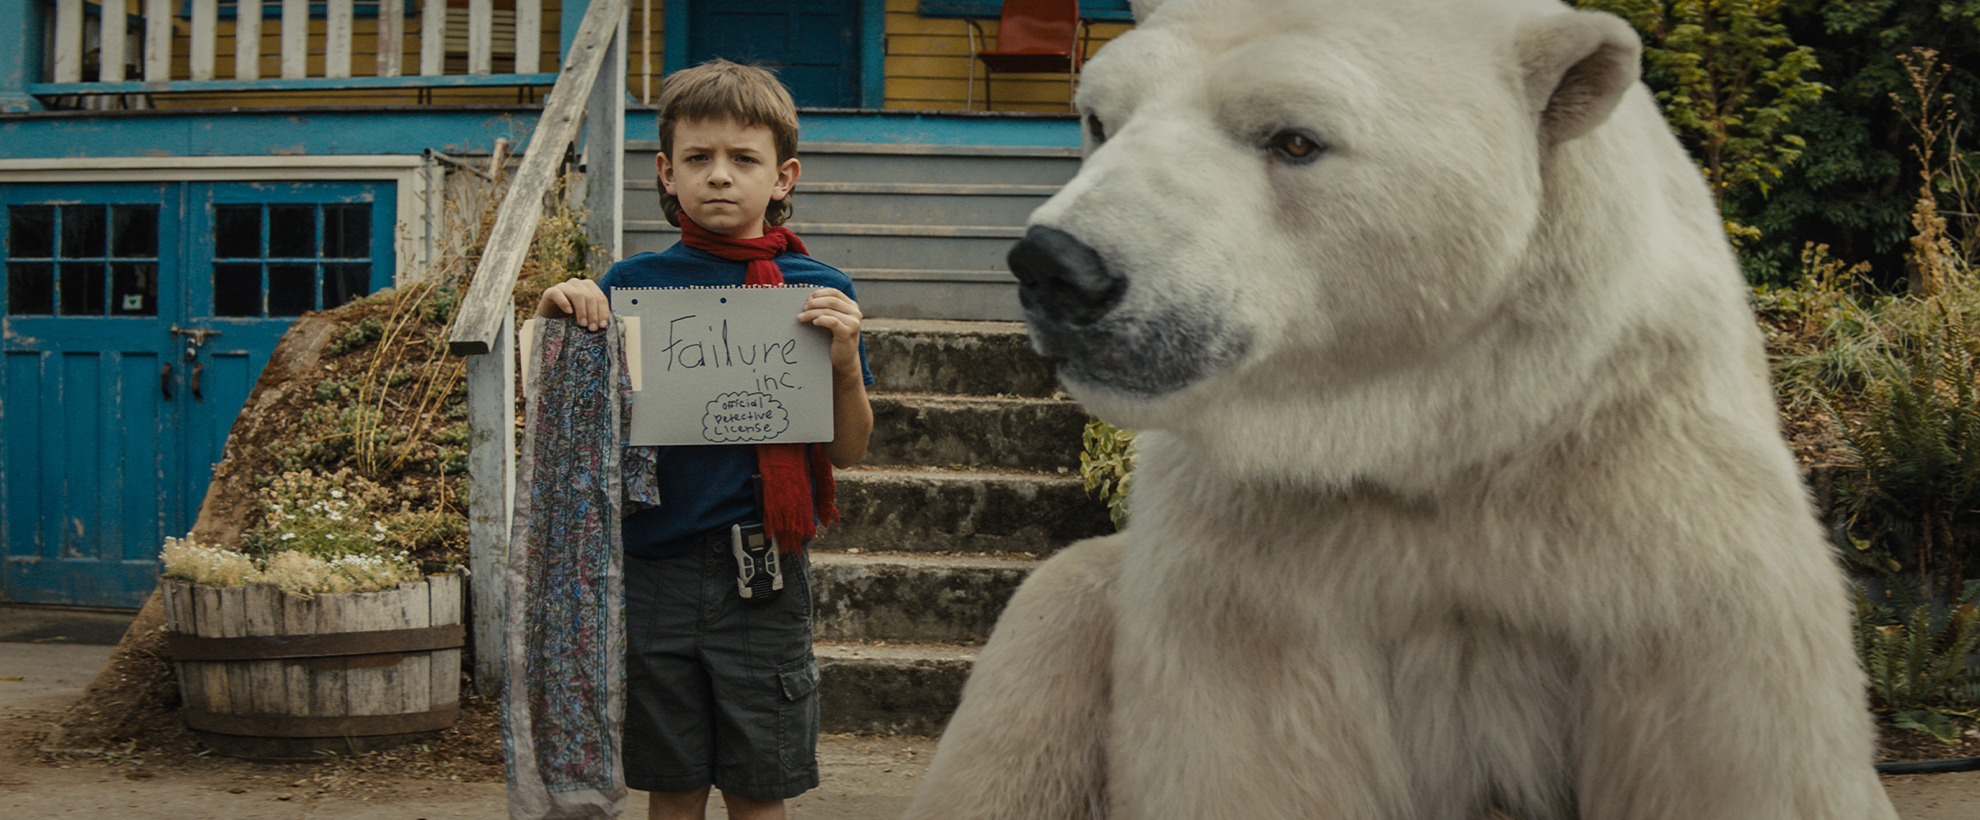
<point>1061,279</point>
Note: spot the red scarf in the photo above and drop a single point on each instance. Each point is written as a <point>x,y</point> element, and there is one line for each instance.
<point>789,478</point>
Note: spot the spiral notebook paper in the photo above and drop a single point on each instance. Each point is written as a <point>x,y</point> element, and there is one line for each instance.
<point>728,365</point>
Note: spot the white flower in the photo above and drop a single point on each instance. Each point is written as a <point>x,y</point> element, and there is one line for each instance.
<point>288,535</point>
<point>377,537</point>
<point>378,525</point>
<point>336,493</point>
<point>336,516</point>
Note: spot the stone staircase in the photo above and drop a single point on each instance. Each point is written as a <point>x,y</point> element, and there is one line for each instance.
<point>922,229</point>
<point>972,473</point>
<point>971,478</point>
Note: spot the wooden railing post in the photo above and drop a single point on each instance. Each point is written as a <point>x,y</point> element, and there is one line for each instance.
<point>157,40</point>
<point>484,330</point>
<point>205,36</point>
<point>68,41</point>
<point>295,39</point>
<point>112,36</point>
<point>247,40</point>
<point>337,38</point>
<point>605,151</point>
<point>491,394</point>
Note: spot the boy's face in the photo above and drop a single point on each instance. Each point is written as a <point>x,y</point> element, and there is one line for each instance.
<point>726,175</point>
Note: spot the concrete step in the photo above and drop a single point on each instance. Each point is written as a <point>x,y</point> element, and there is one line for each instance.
<point>930,511</point>
<point>937,294</point>
<point>898,275</point>
<point>898,163</point>
<point>890,688</point>
<point>885,203</point>
<point>963,358</point>
<point>910,598</point>
<point>955,431</point>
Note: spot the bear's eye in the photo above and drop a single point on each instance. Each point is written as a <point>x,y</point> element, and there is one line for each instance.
<point>1295,146</point>
<point>1095,129</point>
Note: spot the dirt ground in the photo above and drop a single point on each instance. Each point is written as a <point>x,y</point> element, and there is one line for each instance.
<point>165,774</point>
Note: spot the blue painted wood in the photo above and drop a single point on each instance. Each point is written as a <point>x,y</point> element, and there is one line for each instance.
<point>83,515</point>
<point>813,45</point>
<point>264,133</point>
<point>873,54</point>
<point>298,84</point>
<point>98,465</point>
<point>572,16</point>
<point>20,53</point>
<point>1116,11</point>
<point>674,34</point>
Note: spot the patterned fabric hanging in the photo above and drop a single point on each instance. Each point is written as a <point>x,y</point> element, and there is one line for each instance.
<point>564,698</point>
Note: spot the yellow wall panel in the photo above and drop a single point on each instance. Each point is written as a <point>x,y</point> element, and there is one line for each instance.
<point>928,65</point>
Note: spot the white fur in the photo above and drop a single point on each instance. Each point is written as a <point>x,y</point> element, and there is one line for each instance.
<point>1491,516</point>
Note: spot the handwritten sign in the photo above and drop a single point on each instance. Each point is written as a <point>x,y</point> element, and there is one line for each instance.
<point>726,366</point>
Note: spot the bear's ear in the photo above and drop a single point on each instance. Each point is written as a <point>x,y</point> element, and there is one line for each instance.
<point>1143,8</point>
<point>1577,66</point>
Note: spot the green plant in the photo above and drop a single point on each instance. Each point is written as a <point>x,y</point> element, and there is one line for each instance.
<point>1730,79</point>
<point>316,533</point>
<point>359,335</point>
<point>1913,487</point>
<point>1106,463</point>
<point>1921,666</point>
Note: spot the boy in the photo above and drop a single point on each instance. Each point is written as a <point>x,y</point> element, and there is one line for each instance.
<point>722,690</point>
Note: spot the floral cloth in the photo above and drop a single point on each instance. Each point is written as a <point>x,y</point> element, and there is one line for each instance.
<point>564,698</point>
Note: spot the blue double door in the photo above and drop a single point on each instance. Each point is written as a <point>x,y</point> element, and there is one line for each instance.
<point>136,320</point>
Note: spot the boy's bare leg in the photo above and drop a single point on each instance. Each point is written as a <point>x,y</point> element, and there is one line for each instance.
<point>678,805</point>
<point>743,808</point>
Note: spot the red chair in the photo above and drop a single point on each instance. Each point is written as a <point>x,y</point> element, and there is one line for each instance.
<point>1032,36</point>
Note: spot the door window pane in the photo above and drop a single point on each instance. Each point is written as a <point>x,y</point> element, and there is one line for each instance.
<point>291,289</point>
<point>30,287</point>
<point>291,232</point>
<point>302,240</point>
<point>237,289</point>
<point>82,287</point>
<point>237,232</point>
<point>342,283</point>
<point>134,289</point>
<point>31,232</point>
<point>82,231</point>
<point>346,231</point>
<point>134,231</point>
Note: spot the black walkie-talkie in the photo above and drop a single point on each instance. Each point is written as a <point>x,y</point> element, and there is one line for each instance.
<point>759,572</point>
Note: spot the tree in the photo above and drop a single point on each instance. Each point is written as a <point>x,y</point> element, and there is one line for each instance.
<point>1731,81</point>
<point>1854,187</point>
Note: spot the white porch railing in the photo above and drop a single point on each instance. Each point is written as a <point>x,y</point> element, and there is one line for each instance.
<point>124,41</point>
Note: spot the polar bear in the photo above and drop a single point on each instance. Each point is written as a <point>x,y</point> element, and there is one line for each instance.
<point>1461,494</point>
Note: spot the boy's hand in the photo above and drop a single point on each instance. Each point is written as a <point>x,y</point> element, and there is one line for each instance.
<point>579,299</point>
<point>852,415</point>
<point>833,310</point>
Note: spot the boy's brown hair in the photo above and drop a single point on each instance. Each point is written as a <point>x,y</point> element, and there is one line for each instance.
<point>718,90</point>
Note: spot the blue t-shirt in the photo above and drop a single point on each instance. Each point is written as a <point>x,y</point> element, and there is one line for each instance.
<point>704,488</point>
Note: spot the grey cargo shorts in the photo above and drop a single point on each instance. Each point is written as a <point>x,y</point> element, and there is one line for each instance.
<point>719,691</point>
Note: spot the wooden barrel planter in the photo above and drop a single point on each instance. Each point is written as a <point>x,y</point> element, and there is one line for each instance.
<point>266,675</point>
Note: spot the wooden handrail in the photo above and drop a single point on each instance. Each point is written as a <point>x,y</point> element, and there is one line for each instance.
<point>491,296</point>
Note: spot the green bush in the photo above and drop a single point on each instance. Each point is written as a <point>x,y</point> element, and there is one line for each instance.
<point>1921,667</point>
